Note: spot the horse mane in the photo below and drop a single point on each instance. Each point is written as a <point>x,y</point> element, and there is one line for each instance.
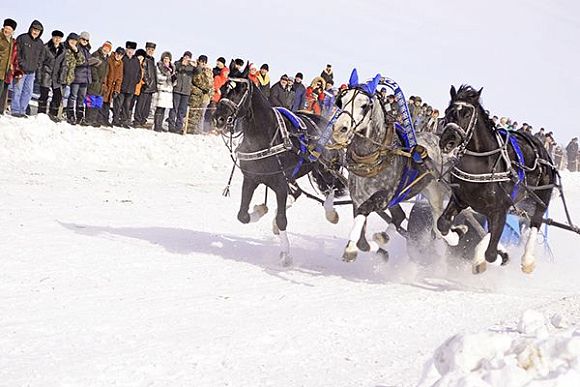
<point>378,118</point>
<point>468,94</point>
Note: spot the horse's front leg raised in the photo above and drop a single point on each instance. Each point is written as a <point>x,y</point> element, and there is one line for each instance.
<point>486,250</point>
<point>445,222</point>
<point>248,188</point>
<point>329,210</point>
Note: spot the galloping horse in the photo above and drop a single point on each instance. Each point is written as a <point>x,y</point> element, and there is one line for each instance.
<point>274,152</point>
<point>381,172</point>
<point>496,170</point>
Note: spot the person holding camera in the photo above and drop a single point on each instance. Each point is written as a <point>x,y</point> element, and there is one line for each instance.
<point>181,91</point>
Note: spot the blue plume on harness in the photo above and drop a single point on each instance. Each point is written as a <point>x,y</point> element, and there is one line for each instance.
<point>519,158</point>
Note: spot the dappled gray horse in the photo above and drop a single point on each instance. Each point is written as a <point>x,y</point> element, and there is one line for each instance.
<point>376,162</point>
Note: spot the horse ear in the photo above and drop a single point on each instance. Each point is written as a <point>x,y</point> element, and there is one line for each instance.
<point>353,81</point>
<point>232,63</point>
<point>479,93</point>
<point>453,93</point>
<point>246,70</point>
<point>372,85</point>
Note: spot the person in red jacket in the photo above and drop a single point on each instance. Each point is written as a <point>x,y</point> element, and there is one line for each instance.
<point>315,96</point>
<point>220,77</point>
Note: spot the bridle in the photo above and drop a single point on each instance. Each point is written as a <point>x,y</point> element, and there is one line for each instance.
<point>464,134</point>
<point>235,107</point>
<point>350,113</point>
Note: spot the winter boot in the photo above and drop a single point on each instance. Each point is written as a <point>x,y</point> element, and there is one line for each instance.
<point>53,114</point>
<point>81,116</point>
<point>158,121</point>
<point>70,115</point>
<point>42,106</point>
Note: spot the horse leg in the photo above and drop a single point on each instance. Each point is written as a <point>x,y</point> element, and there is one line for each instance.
<point>356,236</point>
<point>529,257</point>
<point>486,250</point>
<point>445,222</point>
<point>282,223</point>
<point>329,210</point>
<point>248,188</point>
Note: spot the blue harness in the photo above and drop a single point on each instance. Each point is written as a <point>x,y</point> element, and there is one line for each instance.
<point>301,128</point>
<point>519,158</point>
<point>409,174</point>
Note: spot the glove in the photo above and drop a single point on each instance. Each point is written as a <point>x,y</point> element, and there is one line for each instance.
<point>115,94</point>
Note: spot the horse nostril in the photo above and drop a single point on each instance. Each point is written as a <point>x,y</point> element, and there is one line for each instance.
<point>343,129</point>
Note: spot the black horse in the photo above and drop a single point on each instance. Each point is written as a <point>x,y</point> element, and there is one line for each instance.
<point>495,170</point>
<point>274,153</point>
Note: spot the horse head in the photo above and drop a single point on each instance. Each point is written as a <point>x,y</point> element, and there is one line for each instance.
<point>356,104</point>
<point>460,118</point>
<point>235,101</point>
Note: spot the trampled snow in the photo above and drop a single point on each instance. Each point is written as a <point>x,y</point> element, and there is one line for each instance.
<point>122,264</point>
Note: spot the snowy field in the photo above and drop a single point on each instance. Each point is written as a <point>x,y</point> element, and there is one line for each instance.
<point>122,264</point>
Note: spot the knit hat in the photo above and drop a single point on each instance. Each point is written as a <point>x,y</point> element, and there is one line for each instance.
<point>299,75</point>
<point>222,60</point>
<point>72,36</point>
<point>265,67</point>
<point>188,53</point>
<point>130,45</point>
<point>166,54</point>
<point>150,45</point>
<point>10,23</point>
<point>141,52</point>
<point>108,44</point>
<point>85,35</point>
<point>239,62</point>
<point>120,51</point>
<point>284,77</point>
<point>202,58</point>
<point>57,33</point>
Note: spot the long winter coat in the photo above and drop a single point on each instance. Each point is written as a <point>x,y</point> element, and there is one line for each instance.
<point>131,74</point>
<point>299,102</point>
<point>164,96</point>
<point>65,64</point>
<point>184,75</point>
<point>149,76</point>
<point>280,96</point>
<point>572,150</point>
<point>220,78</point>
<point>114,79</point>
<point>83,71</point>
<point>202,83</point>
<point>50,54</point>
<point>30,51</point>
<point>6,50</point>
<point>99,71</point>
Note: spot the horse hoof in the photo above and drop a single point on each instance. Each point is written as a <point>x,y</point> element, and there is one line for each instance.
<point>460,229</point>
<point>384,254</point>
<point>332,216</point>
<point>275,228</point>
<point>382,238</point>
<point>349,254</point>
<point>504,257</point>
<point>479,268</point>
<point>244,218</point>
<point>528,268</point>
<point>261,209</point>
<point>452,238</point>
<point>285,259</point>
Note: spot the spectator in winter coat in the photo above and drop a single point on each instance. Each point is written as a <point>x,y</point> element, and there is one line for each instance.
<point>75,107</point>
<point>220,77</point>
<point>550,143</point>
<point>238,67</point>
<point>253,74</point>
<point>131,77</point>
<point>541,135</point>
<point>149,86</point>
<point>30,58</point>
<point>280,94</point>
<point>327,74</point>
<point>572,153</point>
<point>6,59</point>
<point>200,94</point>
<point>112,83</point>
<point>53,49</point>
<point>315,95</point>
<point>329,100</point>
<point>164,97</point>
<point>264,80</point>
<point>299,102</point>
<point>181,92</point>
<point>94,100</point>
<point>63,74</point>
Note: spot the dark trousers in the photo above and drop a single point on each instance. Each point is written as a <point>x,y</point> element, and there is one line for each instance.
<point>143,108</point>
<point>176,115</point>
<point>122,108</point>
<point>55,102</point>
<point>3,96</point>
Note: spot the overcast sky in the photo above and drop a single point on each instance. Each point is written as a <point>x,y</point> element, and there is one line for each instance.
<point>524,53</point>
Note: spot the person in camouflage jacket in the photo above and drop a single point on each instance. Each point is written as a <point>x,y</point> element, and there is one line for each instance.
<point>200,95</point>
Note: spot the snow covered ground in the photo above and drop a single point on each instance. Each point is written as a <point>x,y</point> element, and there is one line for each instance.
<point>122,264</point>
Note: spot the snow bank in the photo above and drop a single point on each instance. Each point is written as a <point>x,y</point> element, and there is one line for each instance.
<point>539,352</point>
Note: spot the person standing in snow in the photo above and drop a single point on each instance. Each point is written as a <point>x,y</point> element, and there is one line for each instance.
<point>53,49</point>
<point>149,87</point>
<point>163,99</point>
<point>63,74</point>
<point>572,153</point>
<point>200,94</point>
<point>279,93</point>
<point>327,74</point>
<point>7,60</point>
<point>94,100</point>
<point>75,107</point>
<point>30,50</point>
<point>131,77</point>
<point>299,102</point>
<point>181,92</point>
<point>112,85</point>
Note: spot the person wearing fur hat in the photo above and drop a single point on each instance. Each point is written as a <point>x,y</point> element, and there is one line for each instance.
<point>111,86</point>
<point>264,80</point>
<point>94,99</point>
<point>53,49</point>
<point>181,92</point>
<point>148,88</point>
<point>315,95</point>
<point>253,74</point>
<point>7,59</point>
<point>75,106</point>
<point>299,102</point>
<point>163,99</point>
<point>30,57</point>
<point>131,77</point>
